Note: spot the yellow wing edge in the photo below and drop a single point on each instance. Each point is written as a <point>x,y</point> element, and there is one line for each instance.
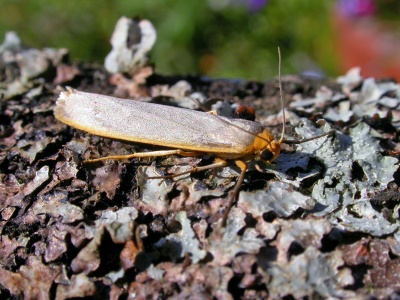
<point>61,116</point>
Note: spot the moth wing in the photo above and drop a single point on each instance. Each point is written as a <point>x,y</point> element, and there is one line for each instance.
<point>149,123</point>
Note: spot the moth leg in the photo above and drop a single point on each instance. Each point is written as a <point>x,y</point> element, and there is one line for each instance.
<point>218,163</point>
<point>213,112</point>
<point>233,195</point>
<point>143,155</point>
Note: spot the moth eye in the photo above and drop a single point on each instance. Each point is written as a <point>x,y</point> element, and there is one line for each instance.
<point>266,155</point>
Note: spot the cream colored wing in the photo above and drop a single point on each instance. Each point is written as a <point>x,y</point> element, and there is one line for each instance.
<point>149,123</point>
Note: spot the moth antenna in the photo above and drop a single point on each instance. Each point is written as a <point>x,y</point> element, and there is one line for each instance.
<point>296,142</point>
<point>281,96</point>
<point>282,139</point>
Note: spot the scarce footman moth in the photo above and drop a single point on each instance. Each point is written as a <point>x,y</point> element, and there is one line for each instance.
<point>186,132</point>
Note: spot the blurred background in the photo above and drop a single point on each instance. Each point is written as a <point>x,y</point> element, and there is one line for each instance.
<point>224,38</point>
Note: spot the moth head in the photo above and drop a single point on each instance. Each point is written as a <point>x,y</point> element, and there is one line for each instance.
<point>271,151</point>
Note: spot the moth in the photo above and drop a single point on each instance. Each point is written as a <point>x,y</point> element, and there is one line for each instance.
<point>182,131</point>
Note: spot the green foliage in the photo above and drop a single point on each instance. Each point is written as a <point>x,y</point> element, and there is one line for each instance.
<point>193,37</point>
